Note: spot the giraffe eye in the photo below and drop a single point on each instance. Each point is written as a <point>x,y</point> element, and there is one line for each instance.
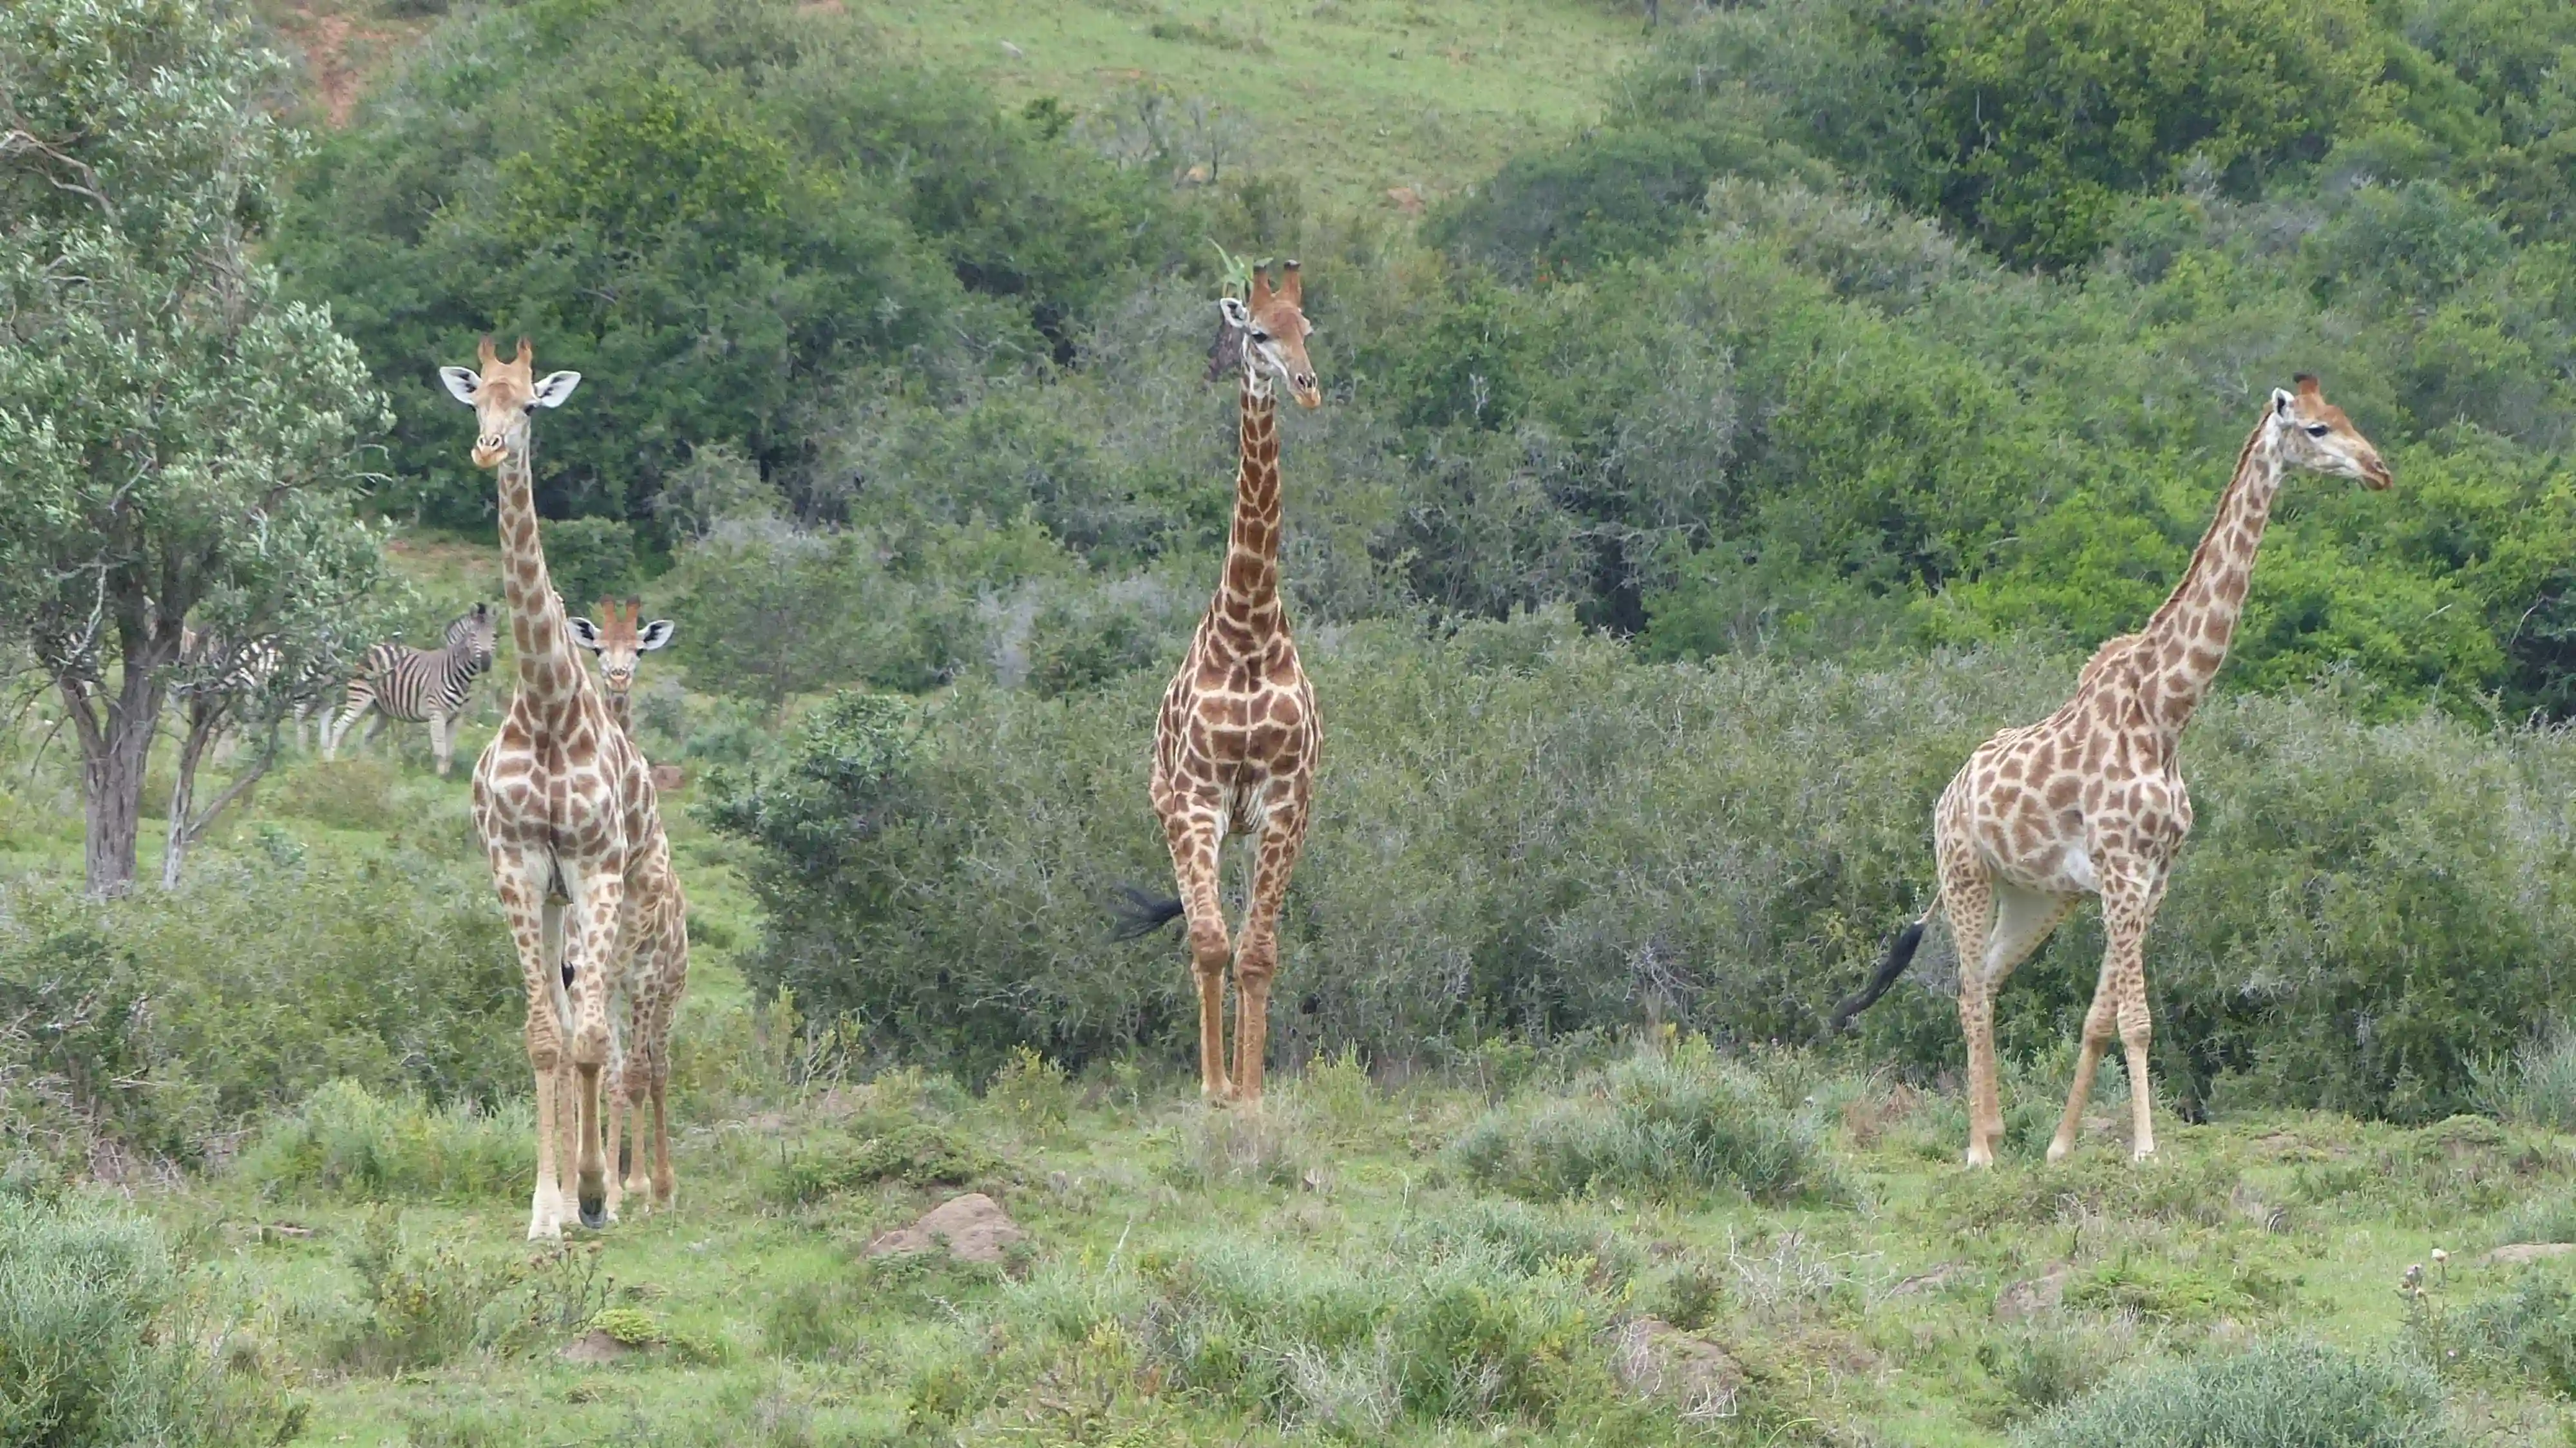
<point>2318,429</point>
<point>1259,335</point>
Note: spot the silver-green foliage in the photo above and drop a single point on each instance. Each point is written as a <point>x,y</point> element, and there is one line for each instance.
<point>2273,1395</point>
<point>88,1350</point>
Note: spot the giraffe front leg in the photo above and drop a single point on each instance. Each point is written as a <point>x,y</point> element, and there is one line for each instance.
<point>442,743</point>
<point>2119,1003</point>
<point>535,927</point>
<point>1256,960</point>
<point>1193,830</point>
<point>593,944</point>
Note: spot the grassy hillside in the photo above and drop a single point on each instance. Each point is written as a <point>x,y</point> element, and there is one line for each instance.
<point>1351,97</point>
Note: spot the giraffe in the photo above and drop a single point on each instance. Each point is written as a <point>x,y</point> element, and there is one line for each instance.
<point>1238,739</point>
<point>656,975</point>
<point>2090,800</point>
<point>565,808</point>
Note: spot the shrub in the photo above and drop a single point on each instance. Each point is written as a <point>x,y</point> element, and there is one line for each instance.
<point>911,1153</point>
<point>2538,1086</point>
<point>90,1352</point>
<point>2276,1394</point>
<point>2527,1333</point>
<point>426,1305</point>
<point>1663,1126</point>
<point>171,1018</point>
<point>345,1140</point>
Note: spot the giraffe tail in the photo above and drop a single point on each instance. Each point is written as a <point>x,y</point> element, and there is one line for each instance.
<point>1900,954</point>
<point>1139,913</point>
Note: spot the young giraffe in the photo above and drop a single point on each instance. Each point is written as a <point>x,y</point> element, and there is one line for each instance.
<point>564,805</point>
<point>656,975</point>
<point>2090,800</point>
<point>1237,742</point>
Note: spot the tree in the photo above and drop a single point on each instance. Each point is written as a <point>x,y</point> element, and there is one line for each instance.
<point>172,436</point>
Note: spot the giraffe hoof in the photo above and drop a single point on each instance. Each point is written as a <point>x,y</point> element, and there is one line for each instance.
<point>593,1214</point>
<point>2059,1151</point>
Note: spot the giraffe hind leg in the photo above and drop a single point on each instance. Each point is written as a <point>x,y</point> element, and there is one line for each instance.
<point>2119,1007</point>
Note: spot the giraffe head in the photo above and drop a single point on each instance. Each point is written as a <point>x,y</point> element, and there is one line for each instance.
<point>473,632</point>
<point>2310,432</point>
<point>1267,334</point>
<point>620,641</point>
<point>502,396</point>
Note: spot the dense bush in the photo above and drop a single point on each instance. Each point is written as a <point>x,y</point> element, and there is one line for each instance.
<point>715,211</point>
<point>2273,1395</point>
<point>344,1139</point>
<point>155,1025</point>
<point>90,1349</point>
<point>1680,1126</point>
<point>1519,828</point>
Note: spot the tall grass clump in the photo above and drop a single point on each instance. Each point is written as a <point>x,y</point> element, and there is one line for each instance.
<point>89,1348</point>
<point>2528,1332</point>
<point>2277,1394</point>
<point>1675,1125</point>
<point>347,1141</point>
<point>2537,1086</point>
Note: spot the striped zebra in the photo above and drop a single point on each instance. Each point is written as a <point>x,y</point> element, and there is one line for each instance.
<point>210,663</point>
<point>417,686</point>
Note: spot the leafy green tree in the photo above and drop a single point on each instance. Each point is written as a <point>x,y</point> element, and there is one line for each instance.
<point>172,434</point>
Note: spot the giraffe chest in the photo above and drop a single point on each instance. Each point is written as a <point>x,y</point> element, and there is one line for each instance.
<point>583,797</point>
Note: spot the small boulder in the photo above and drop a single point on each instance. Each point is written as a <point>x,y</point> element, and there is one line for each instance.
<point>2035,1296</point>
<point>595,1348</point>
<point>668,777</point>
<point>2522,1253</point>
<point>1656,1359</point>
<point>973,1227</point>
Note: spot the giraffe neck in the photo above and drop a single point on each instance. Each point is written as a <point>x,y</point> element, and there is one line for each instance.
<point>1248,598</point>
<point>621,712</point>
<point>2189,635</point>
<point>547,668</point>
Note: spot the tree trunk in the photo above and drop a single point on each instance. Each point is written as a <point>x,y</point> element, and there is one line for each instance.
<point>115,752</point>
<point>186,825</point>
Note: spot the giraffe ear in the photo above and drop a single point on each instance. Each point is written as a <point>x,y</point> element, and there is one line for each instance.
<point>584,632</point>
<point>461,382</point>
<point>655,634</point>
<point>2281,401</point>
<point>553,388</point>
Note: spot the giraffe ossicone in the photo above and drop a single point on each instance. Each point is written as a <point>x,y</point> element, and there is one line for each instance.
<point>568,817</point>
<point>2091,801</point>
<point>1238,739</point>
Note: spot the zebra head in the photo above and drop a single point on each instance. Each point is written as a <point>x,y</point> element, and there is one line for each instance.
<point>620,640</point>
<point>471,635</point>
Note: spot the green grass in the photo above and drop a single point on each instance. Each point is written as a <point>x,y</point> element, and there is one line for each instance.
<point>1352,97</point>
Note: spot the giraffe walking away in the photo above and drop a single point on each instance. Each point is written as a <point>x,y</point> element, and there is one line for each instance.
<point>566,810</point>
<point>1238,739</point>
<point>416,686</point>
<point>655,931</point>
<point>2090,800</point>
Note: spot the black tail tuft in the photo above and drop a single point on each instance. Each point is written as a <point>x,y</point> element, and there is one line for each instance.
<point>1900,954</point>
<point>1140,913</point>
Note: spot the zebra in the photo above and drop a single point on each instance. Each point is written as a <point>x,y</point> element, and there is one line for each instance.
<point>417,685</point>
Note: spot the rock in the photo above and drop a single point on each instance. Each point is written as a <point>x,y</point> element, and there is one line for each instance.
<point>668,777</point>
<point>595,1349</point>
<point>973,1227</point>
<point>1013,51</point>
<point>2522,1253</point>
<point>2034,1296</point>
<point>1656,1359</point>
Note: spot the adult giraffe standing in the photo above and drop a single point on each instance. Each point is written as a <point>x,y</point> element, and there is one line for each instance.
<point>1238,739</point>
<point>2090,800</point>
<point>565,807</point>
